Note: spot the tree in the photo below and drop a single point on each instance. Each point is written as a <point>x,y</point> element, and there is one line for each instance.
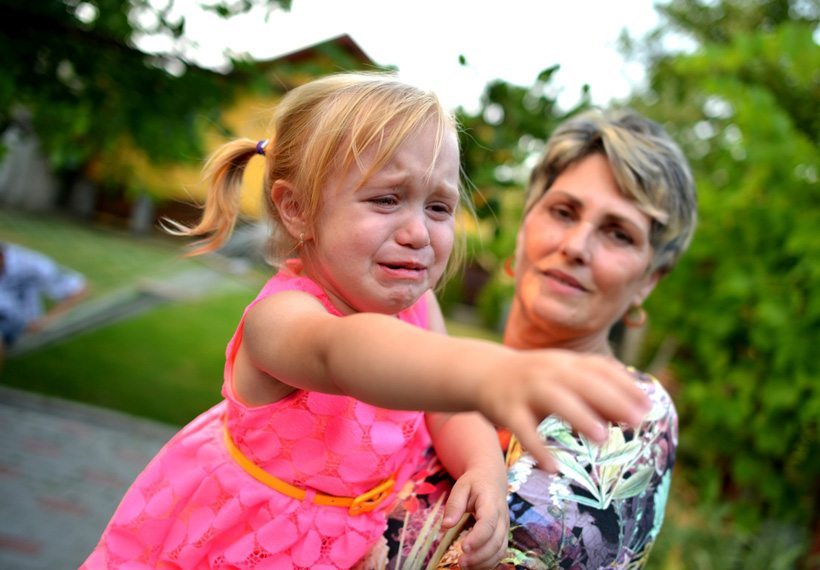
<point>743,306</point>
<point>73,68</point>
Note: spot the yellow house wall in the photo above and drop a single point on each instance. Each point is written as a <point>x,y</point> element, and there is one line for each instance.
<point>248,117</point>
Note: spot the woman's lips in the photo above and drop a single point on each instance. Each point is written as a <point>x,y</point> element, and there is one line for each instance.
<point>565,279</point>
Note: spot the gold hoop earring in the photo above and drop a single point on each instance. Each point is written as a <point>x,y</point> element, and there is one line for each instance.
<point>301,240</point>
<point>509,269</point>
<point>635,317</point>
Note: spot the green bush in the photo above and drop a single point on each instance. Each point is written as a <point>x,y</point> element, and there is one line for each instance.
<point>706,539</point>
<point>743,306</point>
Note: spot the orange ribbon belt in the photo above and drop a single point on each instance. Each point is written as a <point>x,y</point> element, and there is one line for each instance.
<point>364,503</point>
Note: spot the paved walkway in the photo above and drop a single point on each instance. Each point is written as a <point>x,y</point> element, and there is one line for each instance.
<point>63,469</point>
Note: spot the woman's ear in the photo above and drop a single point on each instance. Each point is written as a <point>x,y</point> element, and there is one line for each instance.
<point>289,206</point>
<point>650,281</point>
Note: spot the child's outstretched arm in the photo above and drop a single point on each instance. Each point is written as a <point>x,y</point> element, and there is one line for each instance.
<point>291,339</point>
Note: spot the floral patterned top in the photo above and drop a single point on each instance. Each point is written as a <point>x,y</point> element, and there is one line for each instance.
<point>605,506</point>
<point>603,509</point>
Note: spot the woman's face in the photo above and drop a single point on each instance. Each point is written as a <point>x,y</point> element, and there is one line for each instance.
<point>582,260</point>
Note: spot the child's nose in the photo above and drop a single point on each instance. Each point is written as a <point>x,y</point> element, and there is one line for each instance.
<point>413,231</point>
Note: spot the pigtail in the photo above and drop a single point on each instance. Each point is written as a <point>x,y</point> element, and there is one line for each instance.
<point>223,171</point>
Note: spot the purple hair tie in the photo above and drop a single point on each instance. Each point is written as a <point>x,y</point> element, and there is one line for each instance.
<point>260,146</point>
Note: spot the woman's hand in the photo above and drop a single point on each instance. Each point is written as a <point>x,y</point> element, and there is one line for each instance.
<point>587,391</point>
<point>482,492</point>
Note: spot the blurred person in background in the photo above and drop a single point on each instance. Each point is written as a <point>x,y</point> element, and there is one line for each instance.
<point>34,291</point>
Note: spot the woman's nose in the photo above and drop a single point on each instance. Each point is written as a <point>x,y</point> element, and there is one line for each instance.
<point>413,231</point>
<point>575,244</point>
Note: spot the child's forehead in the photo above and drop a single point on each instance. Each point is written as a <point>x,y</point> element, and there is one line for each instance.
<point>401,166</point>
<point>420,146</point>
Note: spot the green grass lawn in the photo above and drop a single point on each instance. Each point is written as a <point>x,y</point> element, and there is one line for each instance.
<point>165,364</point>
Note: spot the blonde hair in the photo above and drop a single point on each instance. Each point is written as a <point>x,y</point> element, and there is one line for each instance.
<point>648,166</point>
<point>317,128</point>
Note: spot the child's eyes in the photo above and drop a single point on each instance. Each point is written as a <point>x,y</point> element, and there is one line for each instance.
<point>384,200</point>
<point>390,201</point>
<point>442,208</point>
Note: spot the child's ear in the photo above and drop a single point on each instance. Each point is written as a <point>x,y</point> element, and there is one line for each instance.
<point>289,206</point>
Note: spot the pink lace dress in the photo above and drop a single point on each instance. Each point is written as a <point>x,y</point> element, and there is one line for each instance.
<point>194,506</point>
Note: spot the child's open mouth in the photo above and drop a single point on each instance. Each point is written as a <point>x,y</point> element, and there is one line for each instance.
<point>404,270</point>
<point>407,266</point>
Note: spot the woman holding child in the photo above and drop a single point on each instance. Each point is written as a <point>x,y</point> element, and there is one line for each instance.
<point>609,209</point>
<point>336,379</point>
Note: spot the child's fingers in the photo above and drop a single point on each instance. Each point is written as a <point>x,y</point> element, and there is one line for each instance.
<point>611,403</point>
<point>481,533</point>
<point>614,398</point>
<point>525,430</point>
<point>577,412</point>
<point>592,392</point>
<point>540,452</point>
<point>614,379</point>
<point>485,544</point>
<point>456,505</point>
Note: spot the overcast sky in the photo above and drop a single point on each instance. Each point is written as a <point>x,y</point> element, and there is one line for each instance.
<point>509,39</point>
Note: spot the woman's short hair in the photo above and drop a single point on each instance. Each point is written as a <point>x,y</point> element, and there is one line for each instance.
<point>649,168</point>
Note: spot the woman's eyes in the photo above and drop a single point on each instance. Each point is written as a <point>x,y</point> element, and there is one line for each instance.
<point>616,232</point>
<point>621,236</point>
<point>562,212</point>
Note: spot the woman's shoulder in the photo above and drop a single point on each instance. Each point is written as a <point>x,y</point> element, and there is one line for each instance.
<point>662,403</point>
